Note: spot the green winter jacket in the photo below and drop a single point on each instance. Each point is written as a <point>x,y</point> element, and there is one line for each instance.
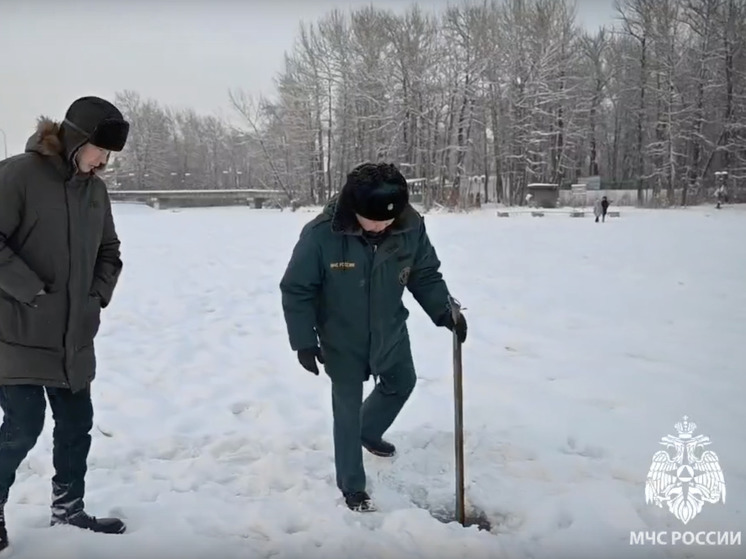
<point>341,290</point>
<point>56,234</point>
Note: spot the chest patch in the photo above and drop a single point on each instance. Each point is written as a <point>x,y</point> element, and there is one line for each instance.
<point>342,265</point>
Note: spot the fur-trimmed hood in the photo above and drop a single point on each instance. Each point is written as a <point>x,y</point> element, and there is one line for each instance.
<point>58,142</point>
<point>88,119</point>
<point>46,139</point>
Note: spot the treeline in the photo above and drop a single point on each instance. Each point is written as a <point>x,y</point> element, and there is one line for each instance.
<point>171,149</point>
<point>515,91</point>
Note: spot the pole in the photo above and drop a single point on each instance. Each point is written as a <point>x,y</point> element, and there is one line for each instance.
<point>459,415</point>
<point>5,143</point>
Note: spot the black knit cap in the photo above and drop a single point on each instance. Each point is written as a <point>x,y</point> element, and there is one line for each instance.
<point>98,122</point>
<point>378,191</point>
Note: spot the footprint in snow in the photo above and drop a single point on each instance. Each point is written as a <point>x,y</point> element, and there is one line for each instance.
<point>564,520</point>
<point>587,451</point>
<point>237,408</point>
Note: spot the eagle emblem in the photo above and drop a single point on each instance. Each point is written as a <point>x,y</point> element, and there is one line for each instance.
<point>685,476</point>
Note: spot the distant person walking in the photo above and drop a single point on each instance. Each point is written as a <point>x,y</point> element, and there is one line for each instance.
<point>59,265</point>
<point>600,208</point>
<point>722,196</point>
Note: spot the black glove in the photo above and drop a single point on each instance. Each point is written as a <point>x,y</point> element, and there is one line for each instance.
<point>460,327</point>
<point>307,358</point>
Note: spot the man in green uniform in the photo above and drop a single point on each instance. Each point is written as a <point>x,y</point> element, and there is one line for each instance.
<point>342,300</point>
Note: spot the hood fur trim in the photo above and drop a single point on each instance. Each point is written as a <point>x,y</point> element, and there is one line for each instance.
<point>48,141</point>
<point>47,137</point>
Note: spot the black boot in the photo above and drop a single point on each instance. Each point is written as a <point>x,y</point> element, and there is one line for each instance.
<point>359,501</point>
<point>87,522</point>
<point>3,531</point>
<point>379,448</point>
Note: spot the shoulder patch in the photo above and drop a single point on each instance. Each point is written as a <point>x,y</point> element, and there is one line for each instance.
<point>404,275</point>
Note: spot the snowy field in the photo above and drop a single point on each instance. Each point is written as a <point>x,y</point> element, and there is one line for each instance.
<point>587,343</point>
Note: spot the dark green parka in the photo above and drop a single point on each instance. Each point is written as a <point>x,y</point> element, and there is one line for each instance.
<point>341,290</point>
<point>56,233</point>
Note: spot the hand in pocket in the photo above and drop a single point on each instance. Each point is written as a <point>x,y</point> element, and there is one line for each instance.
<point>41,293</point>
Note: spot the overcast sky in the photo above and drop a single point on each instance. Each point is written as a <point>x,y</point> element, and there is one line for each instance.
<point>185,53</point>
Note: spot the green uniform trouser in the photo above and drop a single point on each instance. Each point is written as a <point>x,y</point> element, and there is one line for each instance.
<point>355,420</point>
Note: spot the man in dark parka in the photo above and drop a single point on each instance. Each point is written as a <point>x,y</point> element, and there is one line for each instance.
<point>342,301</point>
<point>59,265</point>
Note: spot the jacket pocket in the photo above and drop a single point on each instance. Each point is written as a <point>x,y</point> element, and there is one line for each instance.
<point>90,321</point>
<point>8,318</point>
<point>41,325</point>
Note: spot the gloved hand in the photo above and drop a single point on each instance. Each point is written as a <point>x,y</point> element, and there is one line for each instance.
<point>460,327</point>
<point>307,358</point>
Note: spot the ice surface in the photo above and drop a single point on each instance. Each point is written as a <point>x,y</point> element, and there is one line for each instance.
<point>587,343</point>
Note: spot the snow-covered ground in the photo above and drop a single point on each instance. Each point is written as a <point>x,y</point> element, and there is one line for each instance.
<point>587,343</point>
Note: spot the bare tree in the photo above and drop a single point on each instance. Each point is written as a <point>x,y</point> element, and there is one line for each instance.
<point>595,48</point>
<point>495,92</point>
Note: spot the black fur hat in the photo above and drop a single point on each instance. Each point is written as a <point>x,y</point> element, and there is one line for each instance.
<point>99,122</point>
<point>378,191</point>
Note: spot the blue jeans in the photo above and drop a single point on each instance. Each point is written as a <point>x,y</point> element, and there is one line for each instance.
<point>24,408</point>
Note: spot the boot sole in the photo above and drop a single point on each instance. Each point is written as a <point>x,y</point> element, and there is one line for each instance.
<point>378,452</point>
<point>370,508</point>
<point>382,454</point>
<point>365,511</point>
<point>112,533</point>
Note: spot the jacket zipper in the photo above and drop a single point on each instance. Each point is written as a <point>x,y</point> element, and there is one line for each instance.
<point>67,286</point>
<point>371,360</point>
<point>370,296</point>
